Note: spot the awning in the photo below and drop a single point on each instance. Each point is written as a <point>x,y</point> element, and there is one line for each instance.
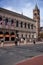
<point>1,35</point>
<point>7,35</point>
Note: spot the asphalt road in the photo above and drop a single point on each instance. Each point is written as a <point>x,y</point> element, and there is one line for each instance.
<point>12,55</point>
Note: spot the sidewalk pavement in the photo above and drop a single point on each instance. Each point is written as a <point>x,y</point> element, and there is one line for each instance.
<point>25,43</point>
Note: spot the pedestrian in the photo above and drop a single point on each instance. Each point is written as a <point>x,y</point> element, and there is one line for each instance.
<point>16,41</point>
<point>34,41</point>
<point>2,44</point>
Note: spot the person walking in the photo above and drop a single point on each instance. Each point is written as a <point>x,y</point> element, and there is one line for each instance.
<point>16,41</point>
<point>34,41</point>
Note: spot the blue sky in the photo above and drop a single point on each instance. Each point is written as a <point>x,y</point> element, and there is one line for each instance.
<point>23,6</point>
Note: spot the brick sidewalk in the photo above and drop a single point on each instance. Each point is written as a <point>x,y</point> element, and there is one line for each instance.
<point>38,60</point>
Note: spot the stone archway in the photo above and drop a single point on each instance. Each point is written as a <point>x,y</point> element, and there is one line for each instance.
<point>6,36</point>
<point>12,36</point>
<point>1,35</point>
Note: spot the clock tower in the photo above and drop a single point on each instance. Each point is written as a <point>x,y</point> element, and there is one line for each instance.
<point>36,17</point>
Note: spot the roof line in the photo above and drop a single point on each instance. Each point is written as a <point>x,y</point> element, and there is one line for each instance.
<point>14,13</point>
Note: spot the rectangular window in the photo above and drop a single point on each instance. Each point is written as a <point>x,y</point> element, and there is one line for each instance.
<point>12,21</point>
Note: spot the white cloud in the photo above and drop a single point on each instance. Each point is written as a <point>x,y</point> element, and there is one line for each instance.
<point>41,16</point>
<point>27,11</point>
<point>12,9</point>
<point>9,8</point>
<point>41,22</point>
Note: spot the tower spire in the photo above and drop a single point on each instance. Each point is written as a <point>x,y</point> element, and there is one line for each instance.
<point>36,6</point>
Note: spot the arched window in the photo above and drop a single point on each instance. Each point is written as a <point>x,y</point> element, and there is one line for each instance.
<point>25,25</point>
<point>32,36</point>
<point>35,14</point>
<point>0,18</point>
<point>21,24</point>
<point>6,21</point>
<point>6,36</point>
<point>17,24</point>
<point>12,33</point>
<point>12,21</point>
<point>6,33</point>
<point>29,26</point>
<point>1,34</point>
<point>12,37</point>
<point>38,13</point>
